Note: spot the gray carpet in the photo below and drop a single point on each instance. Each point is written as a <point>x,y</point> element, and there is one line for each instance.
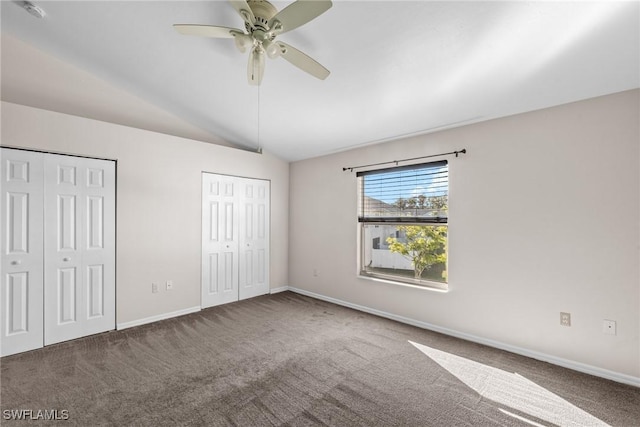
<point>286,359</point>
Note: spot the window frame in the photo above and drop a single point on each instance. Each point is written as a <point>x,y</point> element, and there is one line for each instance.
<point>398,279</point>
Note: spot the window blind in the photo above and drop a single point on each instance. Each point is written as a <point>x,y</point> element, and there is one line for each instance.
<point>415,193</point>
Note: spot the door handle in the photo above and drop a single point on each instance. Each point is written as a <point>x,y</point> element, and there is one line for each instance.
<point>65,259</point>
<point>17,262</point>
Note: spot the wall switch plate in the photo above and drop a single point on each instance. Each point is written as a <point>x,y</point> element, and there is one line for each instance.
<point>609,327</point>
<point>169,285</point>
<point>565,319</point>
<point>154,288</point>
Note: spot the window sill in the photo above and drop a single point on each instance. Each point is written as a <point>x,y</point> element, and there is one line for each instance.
<point>436,287</point>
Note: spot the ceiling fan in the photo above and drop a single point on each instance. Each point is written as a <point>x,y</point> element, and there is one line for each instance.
<point>263,23</point>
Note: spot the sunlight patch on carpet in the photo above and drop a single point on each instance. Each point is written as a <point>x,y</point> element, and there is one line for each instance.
<point>512,390</point>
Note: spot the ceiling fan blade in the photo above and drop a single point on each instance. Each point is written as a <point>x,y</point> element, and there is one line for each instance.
<point>205,30</point>
<point>255,69</point>
<point>298,13</point>
<point>302,61</point>
<point>242,7</point>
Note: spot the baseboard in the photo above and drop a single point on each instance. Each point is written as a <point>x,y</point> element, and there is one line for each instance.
<point>565,363</point>
<point>151,319</point>
<point>280,289</point>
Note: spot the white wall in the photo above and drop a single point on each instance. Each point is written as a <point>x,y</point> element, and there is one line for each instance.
<point>158,201</point>
<point>544,217</point>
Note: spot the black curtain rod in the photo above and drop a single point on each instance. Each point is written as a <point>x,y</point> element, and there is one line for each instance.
<point>351,168</point>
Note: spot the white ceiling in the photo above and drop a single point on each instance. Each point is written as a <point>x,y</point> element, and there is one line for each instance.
<point>397,68</point>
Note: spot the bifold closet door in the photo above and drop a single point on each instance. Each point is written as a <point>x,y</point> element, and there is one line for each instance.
<point>58,249</point>
<point>79,250</point>
<point>21,313</point>
<point>235,238</point>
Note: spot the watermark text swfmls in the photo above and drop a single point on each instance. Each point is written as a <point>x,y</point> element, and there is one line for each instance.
<point>36,414</point>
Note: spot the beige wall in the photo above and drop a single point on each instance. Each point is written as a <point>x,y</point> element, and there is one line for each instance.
<point>544,217</point>
<point>158,201</point>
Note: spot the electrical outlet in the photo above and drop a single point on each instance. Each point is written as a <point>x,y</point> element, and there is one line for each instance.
<point>154,288</point>
<point>169,285</point>
<point>315,272</point>
<point>565,319</point>
<point>609,327</point>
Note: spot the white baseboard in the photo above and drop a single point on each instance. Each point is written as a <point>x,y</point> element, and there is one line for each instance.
<point>565,363</point>
<point>151,319</point>
<point>280,289</point>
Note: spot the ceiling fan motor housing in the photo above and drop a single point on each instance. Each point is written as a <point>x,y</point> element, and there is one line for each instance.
<point>263,12</point>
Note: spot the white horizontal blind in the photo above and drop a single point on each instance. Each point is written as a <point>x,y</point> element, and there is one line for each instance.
<point>415,193</point>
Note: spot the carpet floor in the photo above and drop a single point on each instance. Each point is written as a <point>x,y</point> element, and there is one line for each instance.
<point>290,360</point>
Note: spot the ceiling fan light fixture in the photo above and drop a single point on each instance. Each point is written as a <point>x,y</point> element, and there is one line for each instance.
<point>242,41</point>
<point>273,49</point>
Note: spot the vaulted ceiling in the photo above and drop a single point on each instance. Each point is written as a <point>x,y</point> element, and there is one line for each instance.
<point>397,68</point>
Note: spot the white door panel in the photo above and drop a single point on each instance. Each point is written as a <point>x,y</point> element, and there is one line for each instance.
<point>219,240</point>
<point>22,218</point>
<point>79,287</point>
<point>254,238</point>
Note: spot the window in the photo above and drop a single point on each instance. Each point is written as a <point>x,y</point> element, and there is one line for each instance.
<point>403,216</point>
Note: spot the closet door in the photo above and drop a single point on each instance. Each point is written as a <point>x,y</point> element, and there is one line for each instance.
<point>219,239</point>
<point>254,238</point>
<point>22,277</point>
<point>79,250</point>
